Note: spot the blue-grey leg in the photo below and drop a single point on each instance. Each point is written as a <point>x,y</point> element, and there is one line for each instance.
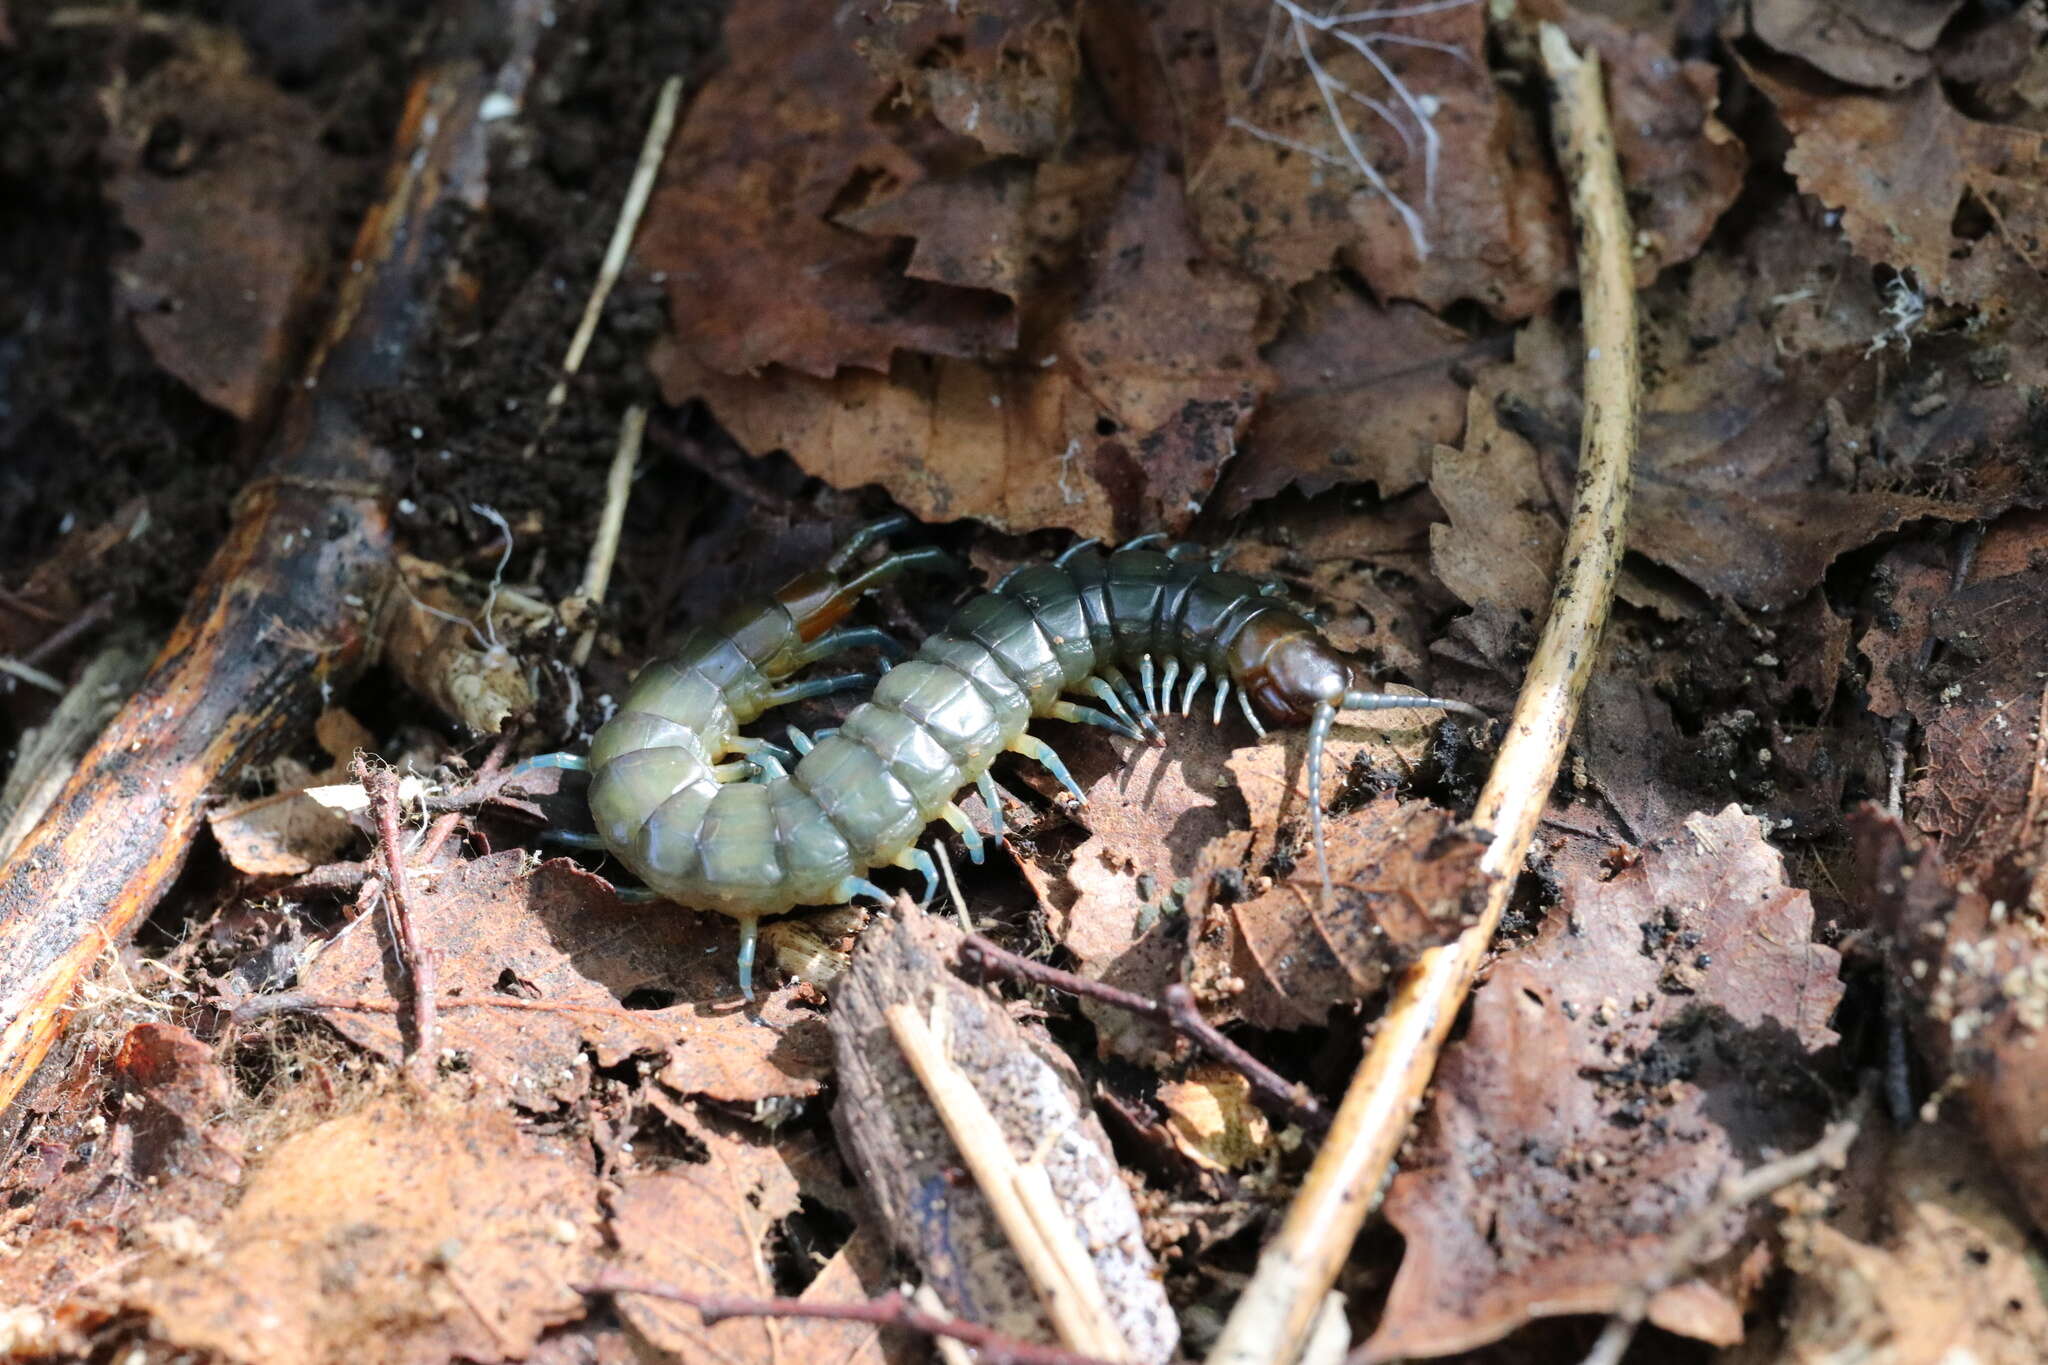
<point>986,785</point>
<point>1031,746</point>
<point>864,537</point>
<point>755,748</point>
<point>572,838</point>
<point>1195,681</point>
<point>1146,685</point>
<point>1222,696</point>
<point>750,936</point>
<point>1318,734</point>
<point>962,826</point>
<point>1140,542</point>
<point>816,687</point>
<point>1166,681</point>
<point>1076,548</point>
<point>572,763</point>
<point>849,887</point>
<point>850,637</point>
<point>927,557</point>
<point>1244,704</point>
<point>636,895</point>
<point>800,741</point>
<point>1109,698</point>
<point>1132,701</point>
<point>1088,715</point>
<point>739,770</point>
<point>915,859</point>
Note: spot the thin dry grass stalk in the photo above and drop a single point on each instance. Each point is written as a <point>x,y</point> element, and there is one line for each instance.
<point>1273,1317</point>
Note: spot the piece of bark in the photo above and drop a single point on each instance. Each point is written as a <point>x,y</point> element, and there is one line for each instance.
<point>276,620</point>
<point>895,1141</point>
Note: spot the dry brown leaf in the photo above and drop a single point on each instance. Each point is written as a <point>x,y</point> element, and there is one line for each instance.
<point>398,1233</point>
<point>999,71</point>
<point>1211,1120</point>
<point>1273,953</point>
<point>232,214</point>
<point>1962,204</point>
<point>1119,415</point>
<point>558,937</point>
<point>1365,393</point>
<point>1952,1275</point>
<point>178,1099</point>
<point>731,1203</point>
<point>1654,1037</point>
<point>1884,44</point>
<point>740,226</point>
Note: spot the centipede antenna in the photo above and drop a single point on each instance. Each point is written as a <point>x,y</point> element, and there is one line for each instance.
<point>986,785</point>
<point>1244,704</point>
<point>1031,746</point>
<point>1074,549</point>
<point>1195,681</point>
<point>1222,696</point>
<point>862,538</point>
<point>1166,681</point>
<point>815,687</point>
<point>1146,684</point>
<point>953,889</point>
<point>1318,732</point>
<point>1391,701</point>
<point>1088,715</point>
<point>750,934</point>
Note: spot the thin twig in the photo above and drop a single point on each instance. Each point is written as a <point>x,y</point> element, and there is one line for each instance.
<point>659,128</point>
<point>1039,1230</point>
<point>98,611</point>
<point>604,550</point>
<point>890,1310</point>
<point>1274,1315</point>
<point>28,673</point>
<point>1176,1008</point>
<point>420,966</point>
<point>1687,1249</point>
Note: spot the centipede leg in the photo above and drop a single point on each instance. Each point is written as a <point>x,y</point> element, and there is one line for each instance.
<point>750,937</point>
<point>570,763</point>
<point>740,770</point>
<point>816,687</point>
<point>1244,704</point>
<point>1132,701</point>
<point>800,741</point>
<point>750,746</point>
<point>1222,696</point>
<point>1088,715</point>
<point>849,887</point>
<point>1031,746</point>
<point>1195,681</point>
<point>1076,548</point>
<point>1139,542</point>
<point>1147,685</point>
<point>1166,681</point>
<point>969,835</point>
<point>927,557</point>
<point>572,838</point>
<point>1109,698</point>
<point>915,859</point>
<point>636,895</point>
<point>864,537</point>
<point>850,637</point>
<point>986,785</point>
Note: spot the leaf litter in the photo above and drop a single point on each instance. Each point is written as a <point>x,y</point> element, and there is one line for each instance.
<point>1030,270</point>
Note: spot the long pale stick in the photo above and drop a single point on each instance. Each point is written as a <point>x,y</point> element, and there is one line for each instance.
<point>1275,1313</point>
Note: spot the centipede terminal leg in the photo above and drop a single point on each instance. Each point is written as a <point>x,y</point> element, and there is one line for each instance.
<point>851,637</point>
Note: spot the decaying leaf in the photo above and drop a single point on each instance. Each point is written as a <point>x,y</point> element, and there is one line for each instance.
<point>1884,44</point>
<point>1948,1273</point>
<point>397,1232</point>
<point>1654,1037</point>
<point>1211,1120</point>
<point>289,832</point>
<point>1269,950</point>
<point>999,71</point>
<point>555,963</point>
<point>731,1202</point>
<point>907,1163</point>
<point>741,224</point>
<point>225,182</point>
<point>1118,412</point>
<point>1959,203</point>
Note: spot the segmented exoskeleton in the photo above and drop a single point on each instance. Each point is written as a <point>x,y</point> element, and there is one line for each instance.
<point>861,796</point>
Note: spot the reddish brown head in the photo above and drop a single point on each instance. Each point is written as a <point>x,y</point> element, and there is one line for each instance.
<point>1288,669</point>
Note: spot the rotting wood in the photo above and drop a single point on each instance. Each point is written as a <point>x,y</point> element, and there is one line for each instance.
<point>280,617</point>
<point>1274,1316</point>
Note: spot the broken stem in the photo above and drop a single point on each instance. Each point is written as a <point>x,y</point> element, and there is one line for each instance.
<point>1175,1008</point>
<point>890,1310</point>
<point>1276,1312</point>
<point>604,551</point>
<point>418,958</point>
<point>1047,1243</point>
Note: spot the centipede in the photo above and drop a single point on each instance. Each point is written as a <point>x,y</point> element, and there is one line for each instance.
<point>712,819</point>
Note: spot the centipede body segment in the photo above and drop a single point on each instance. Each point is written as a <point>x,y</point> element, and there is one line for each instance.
<point>1061,640</point>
